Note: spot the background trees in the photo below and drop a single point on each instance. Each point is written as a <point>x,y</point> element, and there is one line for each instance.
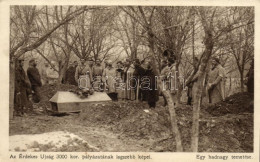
<point>27,34</point>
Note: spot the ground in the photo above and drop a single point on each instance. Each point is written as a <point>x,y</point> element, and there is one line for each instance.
<point>131,126</point>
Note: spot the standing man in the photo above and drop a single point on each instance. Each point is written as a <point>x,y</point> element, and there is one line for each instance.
<point>137,75</point>
<point>120,85</point>
<point>97,68</point>
<point>192,81</point>
<point>22,87</point>
<point>91,64</point>
<point>70,74</point>
<point>84,72</point>
<point>215,78</point>
<point>168,74</point>
<point>35,79</point>
<point>97,75</point>
<point>129,80</point>
<point>149,82</point>
<point>109,78</point>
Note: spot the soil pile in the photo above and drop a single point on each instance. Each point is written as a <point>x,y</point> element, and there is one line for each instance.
<point>235,104</point>
<point>132,120</point>
<point>229,133</point>
<point>220,130</point>
<point>148,124</point>
<point>107,113</point>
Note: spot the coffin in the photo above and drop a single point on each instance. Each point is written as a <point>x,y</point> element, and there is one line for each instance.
<point>64,101</point>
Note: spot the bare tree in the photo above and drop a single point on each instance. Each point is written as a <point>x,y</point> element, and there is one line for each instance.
<point>25,35</point>
<point>144,17</point>
<point>215,27</point>
<point>92,34</point>
<point>130,34</point>
<point>242,42</point>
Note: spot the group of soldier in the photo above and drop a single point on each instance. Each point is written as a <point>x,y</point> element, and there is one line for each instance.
<point>27,87</point>
<point>129,80</point>
<point>119,80</point>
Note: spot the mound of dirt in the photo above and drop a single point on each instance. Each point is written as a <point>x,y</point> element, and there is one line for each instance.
<point>108,113</point>
<point>145,125</point>
<point>235,104</point>
<point>133,121</point>
<point>224,127</point>
<point>128,118</point>
<point>229,133</point>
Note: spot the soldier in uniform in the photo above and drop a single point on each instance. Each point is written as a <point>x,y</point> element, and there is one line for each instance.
<point>129,80</point>
<point>35,80</point>
<point>109,78</point>
<point>22,90</point>
<point>83,75</point>
<point>192,83</point>
<point>168,74</point>
<point>148,82</point>
<point>97,75</point>
<point>70,74</point>
<point>120,85</point>
<point>91,63</point>
<point>216,76</point>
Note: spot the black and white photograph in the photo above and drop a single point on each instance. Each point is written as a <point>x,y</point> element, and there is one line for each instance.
<point>131,78</point>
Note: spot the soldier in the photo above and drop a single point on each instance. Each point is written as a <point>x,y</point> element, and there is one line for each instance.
<point>97,76</point>
<point>137,75</point>
<point>148,82</point>
<point>216,76</point>
<point>129,80</point>
<point>83,75</point>
<point>70,74</point>
<point>35,80</point>
<point>120,85</point>
<point>22,90</point>
<point>109,78</point>
<point>91,63</point>
<point>192,82</point>
<point>97,69</point>
<point>168,75</point>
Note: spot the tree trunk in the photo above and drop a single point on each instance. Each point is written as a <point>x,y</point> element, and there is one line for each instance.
<point>196,114</point>
<point>168,97</point>
<point>209,44</point>
<point>11,87</point>
<point>174,123</point>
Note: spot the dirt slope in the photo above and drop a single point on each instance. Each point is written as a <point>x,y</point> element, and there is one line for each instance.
<point>125,126</point>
